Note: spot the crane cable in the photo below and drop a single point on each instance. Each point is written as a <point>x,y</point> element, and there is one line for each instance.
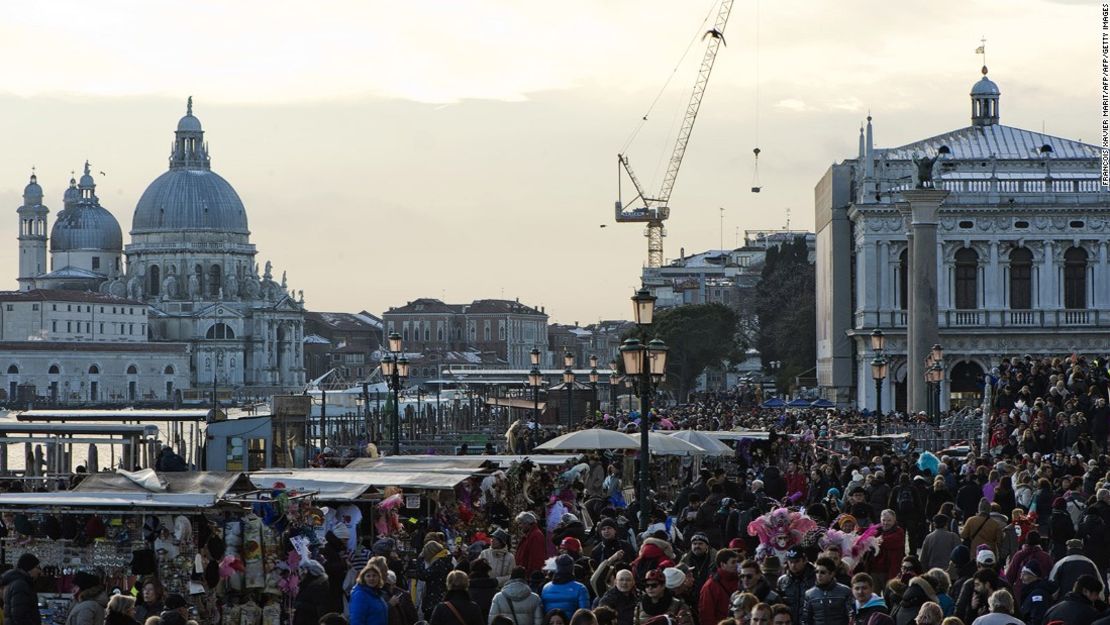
<point>756,188</point>
<point>643,120</point>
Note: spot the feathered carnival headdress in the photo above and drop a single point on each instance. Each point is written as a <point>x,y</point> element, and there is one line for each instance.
<point>853,547</point>
<point>779,530</point>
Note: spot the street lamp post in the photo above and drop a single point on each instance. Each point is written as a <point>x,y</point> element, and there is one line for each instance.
<point>878,373</point>
<point>535,379</point>
<point>613,390</point>
<point>647,364</point>
<point>593,380</point>
<point>934,375</point>
<point>568,381</point>
<point>395,370</point>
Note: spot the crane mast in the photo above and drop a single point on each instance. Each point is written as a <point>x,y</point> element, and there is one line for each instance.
<point>655,210</point>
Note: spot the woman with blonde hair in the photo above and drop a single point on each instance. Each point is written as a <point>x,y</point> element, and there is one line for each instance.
<point>121,611</point>
<point>368,605</point>
<point>456,607</point>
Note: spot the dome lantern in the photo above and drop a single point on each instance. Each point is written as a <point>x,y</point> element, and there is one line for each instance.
<point>984,101</point>
<point>189,149</point>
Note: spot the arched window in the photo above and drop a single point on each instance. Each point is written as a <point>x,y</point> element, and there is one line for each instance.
<point>967,274</point>
<point>132,370</point>
<point>54,370</point>
<point>93,370</point>
<point>155,280</point>
<point>904,279</point>
<point>1075,278</point>
<point>1021,279</point>
<point>220,331</point>
<point>13,370</point>
<point>168,370</point>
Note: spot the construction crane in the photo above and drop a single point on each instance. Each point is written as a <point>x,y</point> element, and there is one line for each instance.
<point>654,210</point>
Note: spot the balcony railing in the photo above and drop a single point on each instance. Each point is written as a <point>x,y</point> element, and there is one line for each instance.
<point>1001,318</point>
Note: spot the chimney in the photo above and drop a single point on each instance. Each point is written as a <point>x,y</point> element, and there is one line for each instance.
<point>682,253</point>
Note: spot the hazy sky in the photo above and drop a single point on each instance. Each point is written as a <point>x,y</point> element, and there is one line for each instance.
<point>392,150</point>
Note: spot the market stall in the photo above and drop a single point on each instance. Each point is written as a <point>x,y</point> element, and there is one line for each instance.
<point>212,538</point>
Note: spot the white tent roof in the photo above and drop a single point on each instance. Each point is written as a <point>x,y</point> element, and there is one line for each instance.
<point>349,484</point>
<point>72,499</point>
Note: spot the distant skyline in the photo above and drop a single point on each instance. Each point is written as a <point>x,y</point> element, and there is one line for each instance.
<point>466,150</point>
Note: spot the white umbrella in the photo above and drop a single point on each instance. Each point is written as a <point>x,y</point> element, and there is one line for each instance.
<point>590,439</point>
<point>664,445</point>
<point>712,446</point>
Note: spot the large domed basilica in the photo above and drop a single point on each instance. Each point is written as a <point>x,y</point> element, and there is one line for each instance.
<point>190,258</point>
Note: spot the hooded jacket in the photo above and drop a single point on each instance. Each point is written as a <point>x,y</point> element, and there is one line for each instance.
<point>713,602</point>
<point>434,576</point>
<point>1073,609</point>
<point>861,614</point>
<point>568,596</point>
<point>918,592</point>
<point>517,601</point>
<point>21,603</point>
<point>92,603</point>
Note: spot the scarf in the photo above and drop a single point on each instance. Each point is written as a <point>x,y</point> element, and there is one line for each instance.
<point>655,608</point>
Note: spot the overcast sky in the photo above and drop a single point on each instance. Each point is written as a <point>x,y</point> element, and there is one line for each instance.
<point>392,150</point>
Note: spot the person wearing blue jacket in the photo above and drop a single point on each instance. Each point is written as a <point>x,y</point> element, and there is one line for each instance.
<point>563,592</point>
<point>368,605</point>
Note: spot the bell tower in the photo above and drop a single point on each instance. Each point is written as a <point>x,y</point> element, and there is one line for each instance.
<point>32,235</point>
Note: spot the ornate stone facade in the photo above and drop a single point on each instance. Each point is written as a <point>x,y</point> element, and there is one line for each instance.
<point>1022,261</point>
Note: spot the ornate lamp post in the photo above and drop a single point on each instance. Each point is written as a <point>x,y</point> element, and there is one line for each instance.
<point>535,379</point>
<point>878,373</point>
<point>613,381</point>
<point>395,370</point>
<point>593,379</point>
<point>568,381</point>
<point>934,375</point>
<point>647,364</point>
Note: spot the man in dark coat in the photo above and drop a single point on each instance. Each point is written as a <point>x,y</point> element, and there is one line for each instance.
<point>1078,606</point>
<point>314,597</point>
<point>21,602</point>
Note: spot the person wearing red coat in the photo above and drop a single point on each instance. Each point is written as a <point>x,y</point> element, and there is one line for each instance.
<point>888,563</point>
<point>796,483</point>
<point>532,550</point>
<point>716,594</point>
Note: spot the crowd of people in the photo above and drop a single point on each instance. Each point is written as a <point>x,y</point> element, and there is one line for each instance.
<point>791,532</point>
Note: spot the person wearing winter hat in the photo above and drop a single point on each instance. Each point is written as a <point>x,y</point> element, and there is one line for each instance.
<point>1035,594</point>
<point>673,578</point>
<point>652,552</point>
<point>984,558</point>
<point>699,559</point>
<point>1069,568</point>
<point>1061,528</point>
<point>21,602</point>
<point>531,552</point>
<point>563,592</point>
<point>313,600</point>
<point>571,546</point>
<point>610,543</point>
<point>1031,551</point>
<point>90,600</point>
<point>658,600</point>
<point>431,569</point>
<point>499,557</point>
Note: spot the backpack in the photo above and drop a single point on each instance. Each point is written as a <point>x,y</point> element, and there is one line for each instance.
<point>1092,525</point>
<point>905,501</point>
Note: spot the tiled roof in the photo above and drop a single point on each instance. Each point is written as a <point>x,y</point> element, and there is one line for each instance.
<point>62,295</point>
<point>91,346</point>
<point>1003,142</point>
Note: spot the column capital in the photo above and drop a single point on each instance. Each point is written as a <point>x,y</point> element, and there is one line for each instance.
<point>921,205</point>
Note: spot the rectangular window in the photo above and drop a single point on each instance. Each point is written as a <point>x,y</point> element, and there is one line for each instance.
<point>34,306</point>
<point>8,307</point>
<point>53,326</point>
<point>102,327</point>
<point>69,307</point>
<point>69,326</point>
<point>101,309</point>
<point>54,307</point>
<point>96,262</point>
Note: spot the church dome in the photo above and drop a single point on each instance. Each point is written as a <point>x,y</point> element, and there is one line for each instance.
<point>189,124</point>
<point>985,86</point>
<point>86,227</point>
<point>32,193</point>
<point>190,196</point>
<point>189,199</point>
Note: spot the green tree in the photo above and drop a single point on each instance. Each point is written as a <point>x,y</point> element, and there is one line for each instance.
<point>698,336</point>
<point>786,308</point>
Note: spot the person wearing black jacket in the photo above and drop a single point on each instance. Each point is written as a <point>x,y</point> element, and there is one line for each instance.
<point>456,607</point>
<point>798,578</point>
<point>610,544</point>
<point>21,602</point>
<point>828,602</point>
<point>1078,606</point>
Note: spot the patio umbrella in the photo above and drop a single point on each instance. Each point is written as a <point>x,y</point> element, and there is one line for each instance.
<point>590,439</point>
<point>822,403</point>
<point>712,446</point>
<point>666,445</point>
<point>774,402</point>
<point>798,403</point>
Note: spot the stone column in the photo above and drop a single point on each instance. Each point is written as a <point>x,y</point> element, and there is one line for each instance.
<point>922,206</point>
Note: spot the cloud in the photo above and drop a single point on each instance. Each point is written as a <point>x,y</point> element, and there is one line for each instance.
<point>794,104</point>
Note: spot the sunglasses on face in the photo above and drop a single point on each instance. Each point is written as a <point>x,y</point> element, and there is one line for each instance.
<point>652,585</point>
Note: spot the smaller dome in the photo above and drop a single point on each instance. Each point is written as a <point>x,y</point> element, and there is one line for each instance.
<point>985,86</point>
<point>189,124</point>
<point>32,190</point>
<point>85,227</point>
